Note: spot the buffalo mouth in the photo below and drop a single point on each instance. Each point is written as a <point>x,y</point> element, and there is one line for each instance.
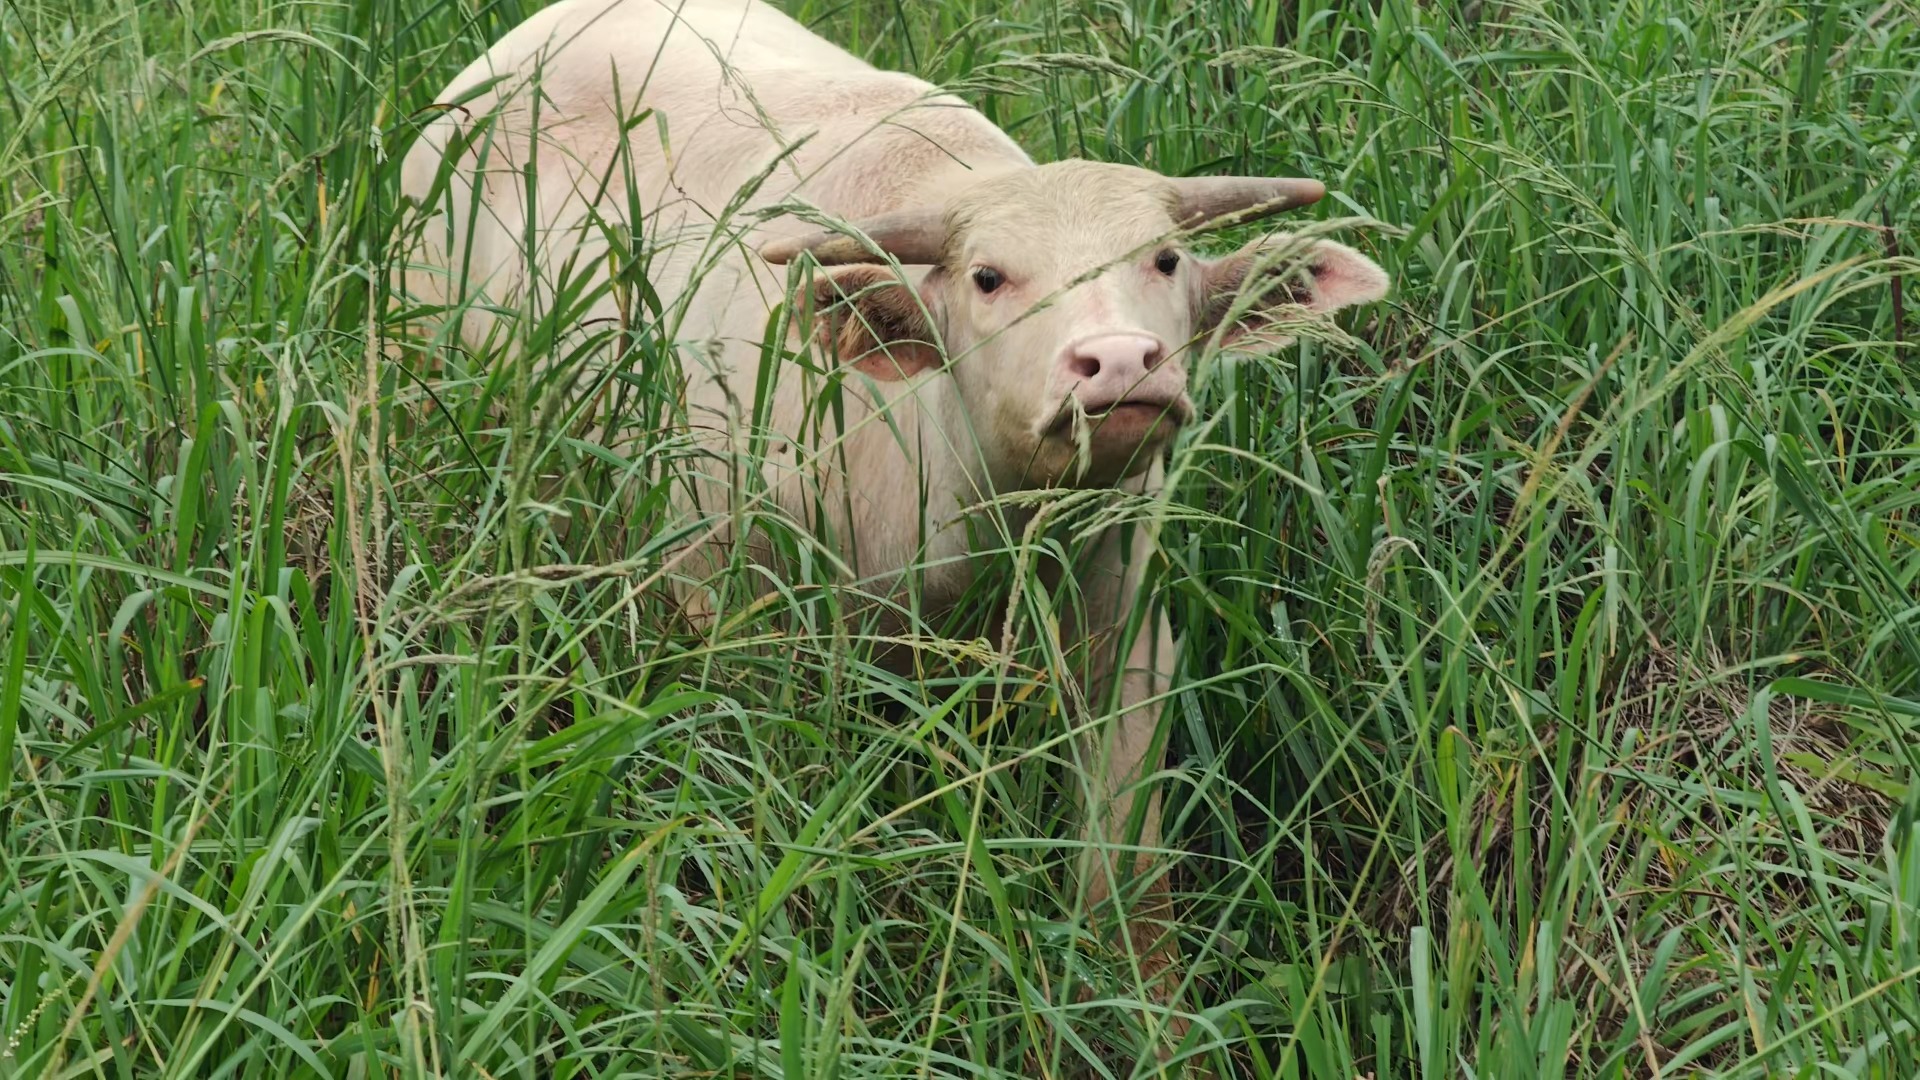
<point>1128,419</point>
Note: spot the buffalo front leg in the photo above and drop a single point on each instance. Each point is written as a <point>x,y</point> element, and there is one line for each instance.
<point>1129,666</point>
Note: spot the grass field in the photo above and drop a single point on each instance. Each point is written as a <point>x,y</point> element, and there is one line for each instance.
<point>1550,681</point>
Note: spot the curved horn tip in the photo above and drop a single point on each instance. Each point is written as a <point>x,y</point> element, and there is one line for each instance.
<point>1307,191</point>
<point>781,252</point>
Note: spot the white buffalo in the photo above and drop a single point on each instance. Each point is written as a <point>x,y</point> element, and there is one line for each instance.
<point>992,325</point>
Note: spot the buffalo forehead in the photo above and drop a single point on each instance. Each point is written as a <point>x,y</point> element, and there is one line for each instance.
<point>1070,214</point>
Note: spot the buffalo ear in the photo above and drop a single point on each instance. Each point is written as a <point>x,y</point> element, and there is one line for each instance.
<point>866,317</point>
<point>1325,277</point>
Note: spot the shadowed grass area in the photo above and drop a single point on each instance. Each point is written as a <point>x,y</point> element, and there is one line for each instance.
<point>1550,669</point>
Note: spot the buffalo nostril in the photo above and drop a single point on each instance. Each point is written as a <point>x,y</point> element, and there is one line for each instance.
<point>1084,365</point>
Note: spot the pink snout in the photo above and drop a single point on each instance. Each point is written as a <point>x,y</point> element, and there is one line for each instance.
<point>1106,371</point>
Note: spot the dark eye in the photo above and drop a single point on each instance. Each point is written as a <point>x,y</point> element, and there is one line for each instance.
<point>987,278</point>
<point>1166,262</point>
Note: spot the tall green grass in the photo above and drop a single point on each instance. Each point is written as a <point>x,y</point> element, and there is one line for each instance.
<point>1551,648</point>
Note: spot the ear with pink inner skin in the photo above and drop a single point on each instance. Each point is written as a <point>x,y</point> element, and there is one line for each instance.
<point>1321,276</point>
<point>866,317</point>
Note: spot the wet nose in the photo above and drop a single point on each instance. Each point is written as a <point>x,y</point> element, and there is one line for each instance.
<point>1113,359</point>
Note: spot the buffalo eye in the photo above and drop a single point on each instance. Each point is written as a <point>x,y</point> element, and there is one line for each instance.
<point>1166,262</point>
<point>987,278</point>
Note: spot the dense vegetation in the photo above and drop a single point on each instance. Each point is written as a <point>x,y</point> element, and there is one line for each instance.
<point>1551,663</point>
